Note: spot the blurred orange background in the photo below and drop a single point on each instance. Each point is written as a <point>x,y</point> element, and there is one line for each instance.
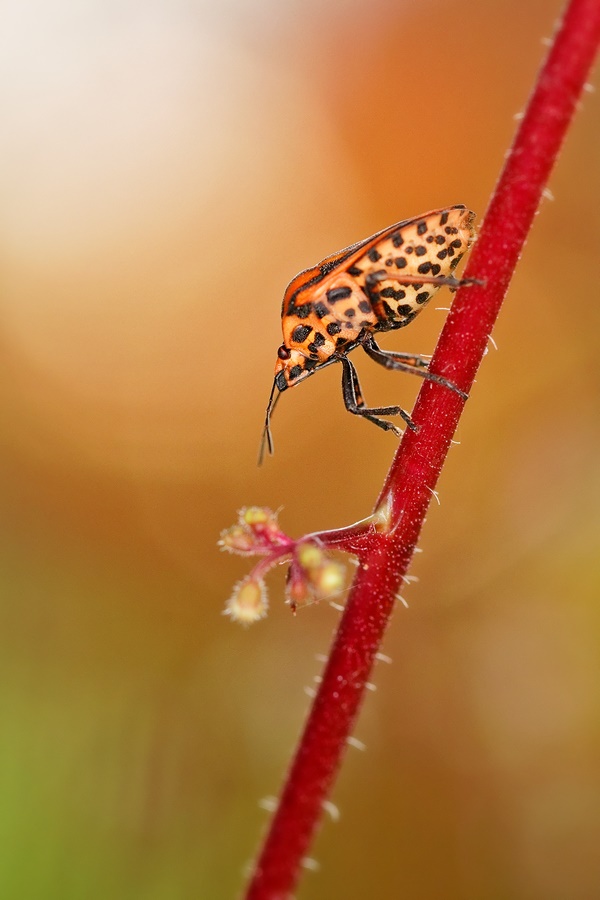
<point>168,167</point>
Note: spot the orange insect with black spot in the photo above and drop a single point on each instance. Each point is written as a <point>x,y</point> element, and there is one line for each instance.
<point>379,284</point>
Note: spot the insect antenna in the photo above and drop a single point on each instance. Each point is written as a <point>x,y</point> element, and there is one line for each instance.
<point>267,439</point>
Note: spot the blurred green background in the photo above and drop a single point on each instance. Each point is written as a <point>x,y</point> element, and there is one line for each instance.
<point>168,167</point>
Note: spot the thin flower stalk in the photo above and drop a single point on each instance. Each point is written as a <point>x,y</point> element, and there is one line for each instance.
<point>385,550</point>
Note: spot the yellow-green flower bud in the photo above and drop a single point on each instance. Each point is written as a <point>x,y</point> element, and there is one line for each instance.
<point>248,603</point>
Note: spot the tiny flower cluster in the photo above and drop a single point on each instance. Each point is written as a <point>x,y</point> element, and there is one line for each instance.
<point>256,533</point>
<point>312,575</point>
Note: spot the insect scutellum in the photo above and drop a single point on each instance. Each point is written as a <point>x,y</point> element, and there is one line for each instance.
<point>377,285</point>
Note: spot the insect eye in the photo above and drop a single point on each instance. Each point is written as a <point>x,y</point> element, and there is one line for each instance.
<point>283,352</point>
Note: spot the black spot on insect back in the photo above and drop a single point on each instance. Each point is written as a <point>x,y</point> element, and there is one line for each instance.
<point>400,262</point>
<point>321,310</point>
<point>442,254</point>
<point>405,309</point>
<point>374,254</point>
<point>333,328</point>
<point>456,243</point>
<point>444,218</point>
<point>424,268</point>
<point>422,297</point>
<point>421,227</point>
<point>388,309</point>
<point>397,239</point>
<point>302,312</point>
<point>435,269</point>
<point>338,293</point>
<point>349,313</point>
<point>295,371</point>
<point>354,271</point>
<point>300,333</point>
<point>440,239</point>
<point>364,306</point>
<point>393,294</point>
<point>420,251</point>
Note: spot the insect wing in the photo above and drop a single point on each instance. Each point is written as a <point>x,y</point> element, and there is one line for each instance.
<point>430,245</point>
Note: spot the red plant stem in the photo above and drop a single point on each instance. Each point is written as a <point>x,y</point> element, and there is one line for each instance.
<point>420,456</point>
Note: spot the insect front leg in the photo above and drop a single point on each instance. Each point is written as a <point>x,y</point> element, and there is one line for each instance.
<point>402,362</point>
<point>355,403</point>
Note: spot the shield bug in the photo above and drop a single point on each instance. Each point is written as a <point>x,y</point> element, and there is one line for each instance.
<point>379,284</point>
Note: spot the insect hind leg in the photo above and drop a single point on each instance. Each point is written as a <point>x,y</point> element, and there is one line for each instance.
<point>373,278</point>
<point>404,362</point>
<point>355,403</point>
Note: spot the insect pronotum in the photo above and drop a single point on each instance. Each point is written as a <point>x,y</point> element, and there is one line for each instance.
<point>379,284</point>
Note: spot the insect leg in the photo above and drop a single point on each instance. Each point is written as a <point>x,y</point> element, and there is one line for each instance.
<point>402,362</point>
<point>405,360</point>
<point>439,280</point>
<point>355,403</point>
